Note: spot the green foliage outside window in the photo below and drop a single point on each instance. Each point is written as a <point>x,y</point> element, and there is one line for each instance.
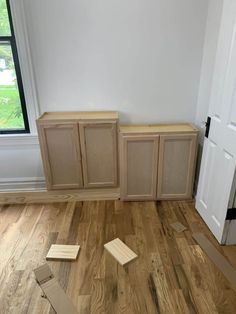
<point>4,21</point>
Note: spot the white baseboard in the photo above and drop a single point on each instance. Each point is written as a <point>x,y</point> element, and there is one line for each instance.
<point>22,184</point>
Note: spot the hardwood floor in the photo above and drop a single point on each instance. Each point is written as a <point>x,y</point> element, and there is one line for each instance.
<point>171,275</point>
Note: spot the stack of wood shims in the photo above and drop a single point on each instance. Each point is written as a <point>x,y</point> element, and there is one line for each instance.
<point>120,251</point>
<point>50,286</point>
<point>63,252</point>
<point>53,291</point>
<point>178,227</point>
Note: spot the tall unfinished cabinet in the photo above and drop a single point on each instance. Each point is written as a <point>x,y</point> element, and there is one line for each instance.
<point>60,149</point>
<point>99,153</point>
<point>79,149</point>
<point>157,161</point>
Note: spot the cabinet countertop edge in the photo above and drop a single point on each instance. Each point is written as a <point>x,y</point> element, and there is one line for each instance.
<point>78,116</point>
<point>158,128</point>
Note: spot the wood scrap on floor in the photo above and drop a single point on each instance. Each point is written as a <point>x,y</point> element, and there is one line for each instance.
<point>120,251</point>
<point>53,291</point>
<point>178,227</point>
<point>217,258</point>
<point>63,252</point>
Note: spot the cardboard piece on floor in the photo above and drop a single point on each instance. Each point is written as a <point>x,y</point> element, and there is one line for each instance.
<point>53,291</point>
<point>120,251</point>
<point>178,227</point>
<point>217,258</point>
<point>63,252</point>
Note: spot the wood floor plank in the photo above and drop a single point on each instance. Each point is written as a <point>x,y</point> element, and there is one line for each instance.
<point>170,275</point>
<point>218,259</point>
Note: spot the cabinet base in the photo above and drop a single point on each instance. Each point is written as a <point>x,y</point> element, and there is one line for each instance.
<point>59,196</point>
<point>44,196</point>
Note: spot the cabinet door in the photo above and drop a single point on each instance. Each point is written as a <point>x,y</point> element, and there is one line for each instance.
<point>99,153</point>
<point>138,166</point>
<point>61,156</point>
<point>176,166</point>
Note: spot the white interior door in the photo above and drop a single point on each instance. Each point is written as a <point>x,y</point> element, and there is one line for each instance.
<point>219,152</point>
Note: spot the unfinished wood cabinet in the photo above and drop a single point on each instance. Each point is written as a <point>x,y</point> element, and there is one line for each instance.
<point>79,149</point>
<point>99,153</point>
<point>138,166</point>
<point>61,155</point>
<point>149,173</point>
<point>176,166</point>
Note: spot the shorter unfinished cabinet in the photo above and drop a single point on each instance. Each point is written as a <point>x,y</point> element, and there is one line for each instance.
<point>138,165</point>
<point>176,166</point>
<point>79,149</point>
<point>157,161</point>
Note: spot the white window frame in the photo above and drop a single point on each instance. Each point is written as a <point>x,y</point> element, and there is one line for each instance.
<point>27,73</point>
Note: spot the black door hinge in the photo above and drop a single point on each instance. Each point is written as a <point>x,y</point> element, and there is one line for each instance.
<point>231,214</point>
<point>208,124</point>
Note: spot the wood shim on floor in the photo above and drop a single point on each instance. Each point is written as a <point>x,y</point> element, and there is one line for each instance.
<point>217,258</point>
<point>178,227</point>
<point>53,291</point>
<point>63,252</point>
<point>120,251</point>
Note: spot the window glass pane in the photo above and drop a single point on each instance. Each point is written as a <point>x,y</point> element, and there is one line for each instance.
<point>10,105</point>
<point>4,20</point>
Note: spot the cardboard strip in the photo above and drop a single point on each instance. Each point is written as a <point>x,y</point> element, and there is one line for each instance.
<point>63,252</point>
<point>217,258</point>
<point>53,291</point>
<point>178,227</point>
<point>120,251</point>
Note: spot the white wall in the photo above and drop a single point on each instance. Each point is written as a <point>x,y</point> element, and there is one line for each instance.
<point>215,10</point>
<point>208,62</point>
<point>142,58</point>
<point>20,164</point>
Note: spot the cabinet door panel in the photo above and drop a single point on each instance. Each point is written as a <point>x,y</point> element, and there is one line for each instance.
<point>138,167</point>
<point>61,155</point>
<point>176,166</point>
<point>99,154</point>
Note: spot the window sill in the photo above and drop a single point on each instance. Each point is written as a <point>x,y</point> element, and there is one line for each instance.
<point>18,139</point>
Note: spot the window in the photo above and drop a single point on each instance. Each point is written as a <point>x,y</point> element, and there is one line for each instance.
<point>13,114</point>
